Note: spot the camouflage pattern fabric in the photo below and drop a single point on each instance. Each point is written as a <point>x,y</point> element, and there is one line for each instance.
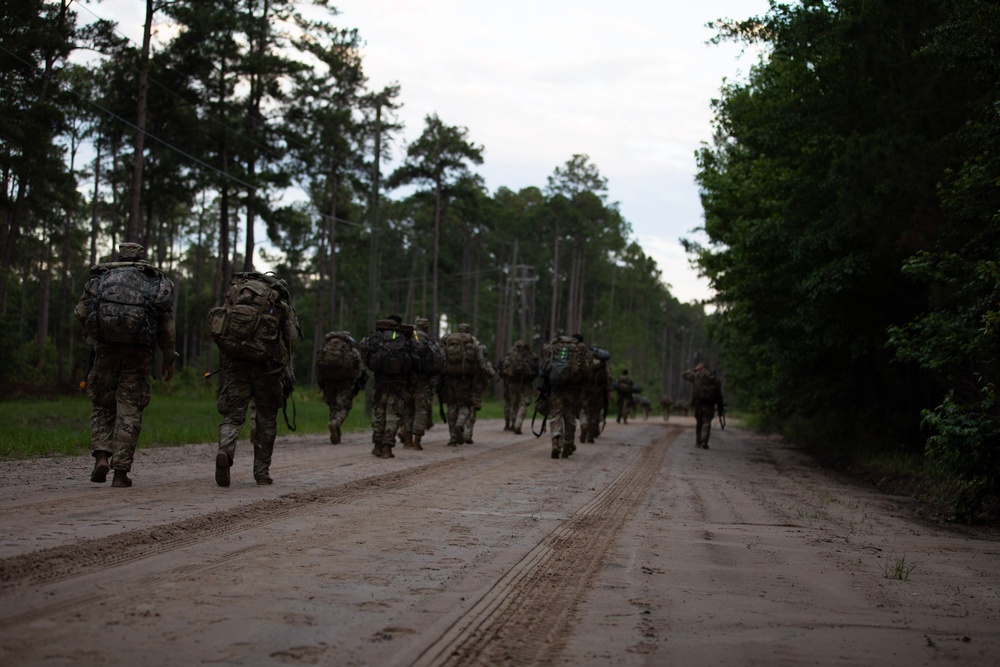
<point>703,416</point>
<point>419,412</point>
<point>564,404</point>
<point>339,398</point>
<point>519,395</point>
<point>118,386</point>
<point>389,406</point>
<point>242,382</point>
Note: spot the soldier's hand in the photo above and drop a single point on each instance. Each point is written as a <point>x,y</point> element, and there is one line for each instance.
<point>167,370</point>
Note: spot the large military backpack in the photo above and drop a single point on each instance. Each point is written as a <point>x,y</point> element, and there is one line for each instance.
<point>430,354</point>
<point>388,350</point>
<point>520,364</point>
<point>624,385</point>
<point>461,354</point>
<point>706,387</point>
<point>248,323</point>
<point>338,359</point>
<point>126,298</point>
<point>566,362</point>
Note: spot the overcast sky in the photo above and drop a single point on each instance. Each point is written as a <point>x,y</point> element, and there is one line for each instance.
<point>627,83</point>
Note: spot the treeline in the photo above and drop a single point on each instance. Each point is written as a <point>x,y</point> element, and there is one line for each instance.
<point>852,201</point>
<point>259,110</point>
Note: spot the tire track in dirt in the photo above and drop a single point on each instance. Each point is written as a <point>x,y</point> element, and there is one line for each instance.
<point>526,616</point>
<point>85,556</point>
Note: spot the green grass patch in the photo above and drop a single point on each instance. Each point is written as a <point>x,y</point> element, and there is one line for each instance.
<point>58,426</point>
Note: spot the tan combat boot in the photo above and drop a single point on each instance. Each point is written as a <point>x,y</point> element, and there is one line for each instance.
<point>121,479</point>
<point>556,446</point>
<point>407,439</point>
<point>101,468</point>
<point>416,442</point>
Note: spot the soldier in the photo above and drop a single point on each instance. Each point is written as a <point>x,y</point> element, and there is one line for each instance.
<point>341,376</point>
<point>389,352</point>
<point>423,381</point>
<point>464,367</point>
<point>706,394</point>
<point>257,333</point>
<point>564,362</point>
<point>645,406</point>
<point>623,385</point>
<point>519,370</point>
<point>666,402</point>
<point>594,395</point>
<point>126,309</point>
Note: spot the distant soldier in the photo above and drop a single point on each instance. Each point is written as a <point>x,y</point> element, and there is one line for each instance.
<point>519,370</point>
<point>463,369</point>
<point>127,309</point>
<point>423,381</point>
<point>257,333</point>
<point>565,361</point>
<point>594,395</point>
<point>666,402</point>
<point>706,395</point>
<point>390,353</point>
<point>479,389</point>
<point>645,406</point>
<point>623,387</point>
<point>341,376</point>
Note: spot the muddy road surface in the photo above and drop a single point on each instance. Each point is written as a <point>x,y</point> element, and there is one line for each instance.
<point>638,550</point>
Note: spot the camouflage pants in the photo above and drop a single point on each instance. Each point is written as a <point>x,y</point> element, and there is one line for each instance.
<point>563,406</point>
<point>624,407</point>
<point>519,398</point>
<point>704,413</point>
<point>339,398</point>
<point>591,415</point>
<point>418,409</point>
<point>389,406</point>
<point>458,393</point>
<point>243,381</point>
<point>118,386</point>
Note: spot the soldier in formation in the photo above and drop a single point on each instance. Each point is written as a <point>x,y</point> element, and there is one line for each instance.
<point>341,376</point>
<point>623,387</point>
<point>519,370</point>
<point>126,311</point>
<point>594,395</point>
<point>390,353</point>
<point>706,396</point>
<point>423,381</point>
<point>461,379</point>
<point>565,361</point>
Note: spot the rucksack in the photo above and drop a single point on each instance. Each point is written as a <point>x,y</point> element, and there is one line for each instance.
<point>388,349</point>
<point>126,300</point>
<point>461,354</point>
<point>566,362</point>
<point>706,387</point>
<point>430,354</point>
<point>624,385</point>
<point>248,324</point>
<point>520,364</point>
<point>338,359</point>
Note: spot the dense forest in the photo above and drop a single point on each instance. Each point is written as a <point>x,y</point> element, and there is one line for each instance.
<point>852,201</point>
<point>257,114</point>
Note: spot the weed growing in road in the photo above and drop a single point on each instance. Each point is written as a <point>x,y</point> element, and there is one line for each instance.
<point>899,569</point>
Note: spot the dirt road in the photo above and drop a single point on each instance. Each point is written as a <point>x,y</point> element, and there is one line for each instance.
<point>638,550</point>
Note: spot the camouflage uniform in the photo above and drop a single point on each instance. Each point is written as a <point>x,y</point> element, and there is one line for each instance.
<point>463,394</point>
<point>118,383</point>
<point>483,378</point>
<point>703,401</point>
<point>339,394</point>
<point>392,392</point>
<point>623,385</point>
<point>564,405</point>
<point>418,414</point>
<point>594,398</point>
<point>260,384</point>
<point>666,402</point>
<point>519,389</point>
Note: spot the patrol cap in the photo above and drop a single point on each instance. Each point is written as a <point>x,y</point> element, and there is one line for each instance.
<point>131,252</point>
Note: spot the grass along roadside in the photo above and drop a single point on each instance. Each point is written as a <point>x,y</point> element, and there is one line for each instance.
<point>61,426</point>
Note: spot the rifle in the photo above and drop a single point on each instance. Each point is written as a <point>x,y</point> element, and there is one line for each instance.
<point>542,399</point>
<point>287,387</point>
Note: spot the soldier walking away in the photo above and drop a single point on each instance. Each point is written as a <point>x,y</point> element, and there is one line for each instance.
<point>423,382</point>
<point>126,310</point>
<point>623,386</point>
<point>341,375</point>
<point>389,352</point>
<point>257,332</point>
<point>666,403</point>
<point>479,387</point>
<point>519,370</point>
<point>565,362</point>
<point>464,366</point>
<point>645,406</point>
<point>594,395</point>
<point>706,394</point>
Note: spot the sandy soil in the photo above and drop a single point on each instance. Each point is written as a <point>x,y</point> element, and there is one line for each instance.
<point>638,550</point>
